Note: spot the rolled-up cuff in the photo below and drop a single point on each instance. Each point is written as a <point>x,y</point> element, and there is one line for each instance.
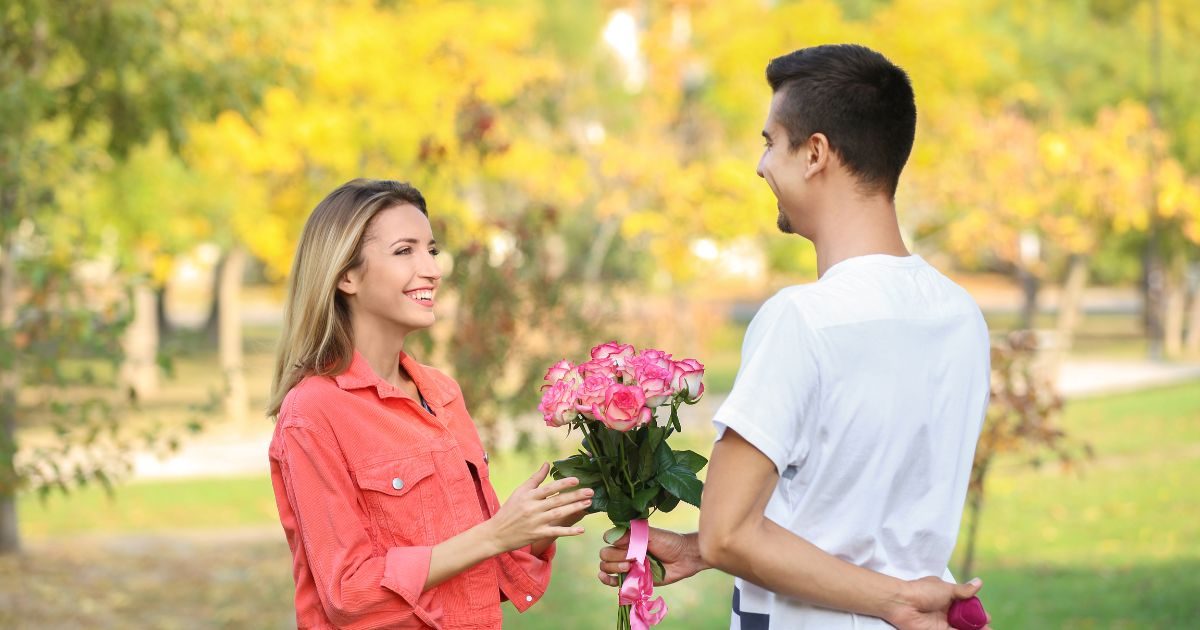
<point>405,572</point>
<point>532,575</point>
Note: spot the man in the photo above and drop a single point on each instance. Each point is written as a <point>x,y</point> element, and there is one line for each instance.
<point>844,450</point>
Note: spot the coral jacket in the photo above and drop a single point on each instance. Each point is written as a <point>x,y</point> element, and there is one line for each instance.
<point>367,481</point>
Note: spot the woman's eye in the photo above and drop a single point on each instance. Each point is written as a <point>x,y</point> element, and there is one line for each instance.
<point>404,251</point>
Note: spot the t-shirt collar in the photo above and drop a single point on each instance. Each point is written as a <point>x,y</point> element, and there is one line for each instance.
<point>912,260</point>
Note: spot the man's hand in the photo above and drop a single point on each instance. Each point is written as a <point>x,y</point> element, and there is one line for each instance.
<point>679,554</point>
<point>923,603</point>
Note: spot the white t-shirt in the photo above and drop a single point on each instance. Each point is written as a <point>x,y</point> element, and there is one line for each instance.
<point>867,389</point>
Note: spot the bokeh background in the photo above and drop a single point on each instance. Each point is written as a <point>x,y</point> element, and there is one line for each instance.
<point>589,166</point>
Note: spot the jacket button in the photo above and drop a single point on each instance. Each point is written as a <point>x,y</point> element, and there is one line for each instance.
<point>529,598</point>
<point>485,457</point>
<point>398,483</point>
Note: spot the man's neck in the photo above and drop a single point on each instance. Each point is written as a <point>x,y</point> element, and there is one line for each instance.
<point>866,226</point>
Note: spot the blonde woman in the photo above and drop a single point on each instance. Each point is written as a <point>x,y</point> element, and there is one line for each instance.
<point>379,475</point>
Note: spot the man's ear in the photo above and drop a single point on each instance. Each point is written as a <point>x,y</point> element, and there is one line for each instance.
<point>817,154</point>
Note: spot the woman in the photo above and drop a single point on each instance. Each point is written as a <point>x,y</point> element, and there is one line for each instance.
<point>380,479</point>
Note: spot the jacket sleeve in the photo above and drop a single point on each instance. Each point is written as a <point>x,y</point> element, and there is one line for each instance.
<point>357,586</point>
<point>526,576</point>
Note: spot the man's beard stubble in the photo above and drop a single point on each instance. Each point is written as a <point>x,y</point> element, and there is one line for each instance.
<point>783,224</point>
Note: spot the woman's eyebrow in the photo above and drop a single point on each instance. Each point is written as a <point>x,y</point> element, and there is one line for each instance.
<point>411,241</point>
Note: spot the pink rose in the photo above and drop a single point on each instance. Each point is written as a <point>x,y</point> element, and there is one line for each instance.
<point>612,350</point>
<point>558,404</point>
<point>625,407</point>
<point>650,356</point>
<point>687,379</point>
<point>598,367</point>
<point>589,396</point>
<point>558,371</point>
<point>655,381</point>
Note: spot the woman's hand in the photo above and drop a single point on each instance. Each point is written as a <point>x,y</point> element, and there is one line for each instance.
<point>534,513</point>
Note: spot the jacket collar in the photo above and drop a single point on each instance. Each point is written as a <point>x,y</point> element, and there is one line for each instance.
<point>360,376</point>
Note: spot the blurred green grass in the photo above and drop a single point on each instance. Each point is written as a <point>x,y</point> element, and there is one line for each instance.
<point>1114,543</point>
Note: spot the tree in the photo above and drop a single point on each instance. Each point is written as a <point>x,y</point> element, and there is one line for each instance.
<point>82,89</point>
<point>1022,415</point>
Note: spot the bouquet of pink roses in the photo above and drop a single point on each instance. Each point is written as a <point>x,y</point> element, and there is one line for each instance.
<point>626,404</point>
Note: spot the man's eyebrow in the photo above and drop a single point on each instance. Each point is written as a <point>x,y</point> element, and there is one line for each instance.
<point>766,135</point>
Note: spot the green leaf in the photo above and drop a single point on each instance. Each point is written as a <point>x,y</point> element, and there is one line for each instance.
<point>677,477</point>
<point>682,483</point>
<point>666,501</point>
<point>656,568</point>
<point>694,461</point>
<point>642,499</point>
<point>599,500</point>
<point>577,466</point>
<point>614,534</point>
<point>621,509</point>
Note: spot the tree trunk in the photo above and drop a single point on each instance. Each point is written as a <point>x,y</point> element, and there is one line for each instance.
<point>974,510</point>
<point>1152,297</point>
<point>10,540</point>
<point>139,370</point>
<point>1030,284</point>
<point>1191,342</point>
<point>1174,307</point>
<point>212,324</point>
<point>228,295</point>
<point>1070,308</point>
<point>160,312</point>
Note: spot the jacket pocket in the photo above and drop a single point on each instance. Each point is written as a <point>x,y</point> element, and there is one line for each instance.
<point>399,495</point>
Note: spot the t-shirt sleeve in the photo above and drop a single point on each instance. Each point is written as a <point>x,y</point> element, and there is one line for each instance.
<point>776,388</point>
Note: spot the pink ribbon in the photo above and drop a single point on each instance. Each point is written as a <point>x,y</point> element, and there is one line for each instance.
<point>639,582</point>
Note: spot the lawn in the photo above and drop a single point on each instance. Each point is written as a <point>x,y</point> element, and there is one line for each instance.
<point>1112,544</point>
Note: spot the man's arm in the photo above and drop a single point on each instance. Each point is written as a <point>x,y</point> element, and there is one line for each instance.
<point>738,538</point>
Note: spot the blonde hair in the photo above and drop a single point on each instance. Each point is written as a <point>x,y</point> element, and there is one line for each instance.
<point>317,337</point>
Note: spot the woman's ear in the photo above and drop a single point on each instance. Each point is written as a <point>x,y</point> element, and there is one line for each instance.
<point>349,282</point>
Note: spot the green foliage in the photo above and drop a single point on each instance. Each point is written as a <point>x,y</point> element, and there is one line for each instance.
<point>634,474</point>
<point>84,88</point>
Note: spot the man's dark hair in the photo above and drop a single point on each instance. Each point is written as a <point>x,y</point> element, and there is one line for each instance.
<point>862,102</point>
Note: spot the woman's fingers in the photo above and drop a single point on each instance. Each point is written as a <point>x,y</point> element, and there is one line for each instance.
<point>562,512</point>
<point>567,498</point>
<point>554,487</point>
<point>538,476</point>
<point>552,531</point>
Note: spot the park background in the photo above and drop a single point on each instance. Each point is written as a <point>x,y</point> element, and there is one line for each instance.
<point>589,166</point>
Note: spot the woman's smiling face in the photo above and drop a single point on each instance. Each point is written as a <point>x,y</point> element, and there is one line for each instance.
<point>395,285</point>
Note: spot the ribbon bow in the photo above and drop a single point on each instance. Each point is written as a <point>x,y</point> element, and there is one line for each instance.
<point>639,583</point>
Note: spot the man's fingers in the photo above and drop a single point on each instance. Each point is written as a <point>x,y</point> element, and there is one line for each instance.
<point>968,590</point>
<point>606,579</point>
<point>609,566</point>
<point>613,554</point>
